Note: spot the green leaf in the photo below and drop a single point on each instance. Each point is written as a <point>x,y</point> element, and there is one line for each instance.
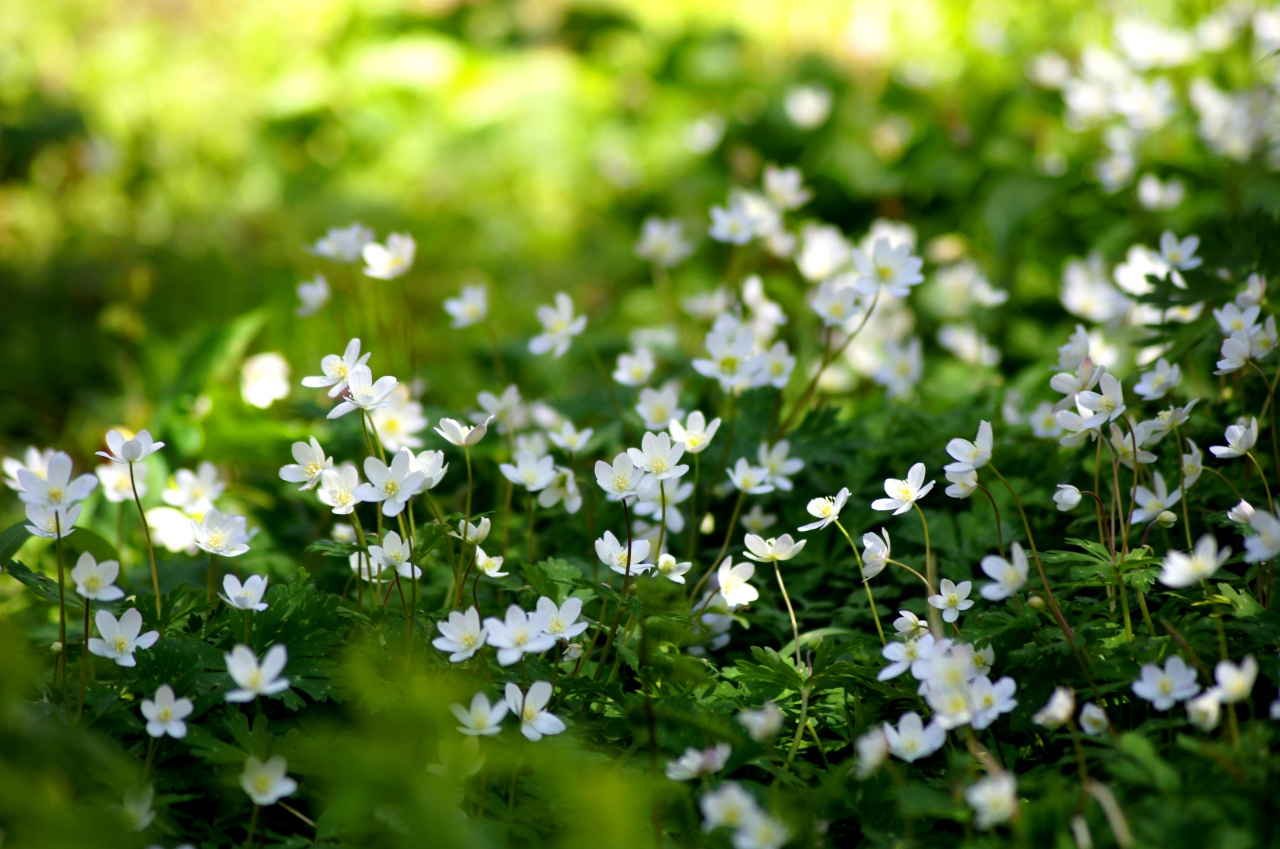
<point>1143,751</point>
<point>329,548</point>
<point>86,540</point>
<point>12,539</point>
<point>43,586</point>
<point>1243,604</point>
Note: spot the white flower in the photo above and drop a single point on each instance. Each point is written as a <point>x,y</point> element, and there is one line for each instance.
<point>490,566</point>
<point>1240,440</point>
<point>826,510</point>
<point>462,635</point>
<point>389,261</point>
<point>474,534</point>
<point>728,805</point>
<point>264,379</point>
<point>772,550</point>
<point>735,225</point>
<point>363,393</point>
<point>56,490</point>
<point>94,580</point>
<point>621,479</point>
<point>254,679</point>
<point>224,535</point>
<point>696,763</point>
<point>659,406</point>
<point>1058,710</point>
<point>570,439</point>
<point>1205,710</point>
<point>779,465</point>
<point>963,484</point>
<point>732,581</point>
<point>121,450</point>
<point>695,435</point>
<point>343,244</point>
<point>1180,254</point>
<point>1124,445</point>
<point>561,623</point>
<point>1262,340</point>
<point>470,307</point>
<point>171,529</point>
<point>634,369</point>
<point>1235,683</point>
<point>658,456</point>
<point>165,715</point>
<point>399,421</point>
<point>761,832</point>
<point>1183,570</point>
<point>194,492</point>
<point>663,242</point>
<point>971,455</point>
<point>481,719</point>
<point>901,656</point>
<point>1236,351</point>
<point>823,252</point>
<point>313,294</point>
<point>246,596</point>
<point>904,493</point>
<point>912,739</point>
<point>535,721</point>
<point>1241,513</point>
<point>311,463</point>
<point>395,553</point>
<point>48,524</point>
<point>1085,378</point>
<point>529,471</point>
<point>1107,405</point>
<point>785,187</point>
<point>763,724</point>
<point>994,799</point>
<point>987,700</point>
<point>873,751</point>
<point>518,634</point>
<point>1093,719</point>
<point>267,783</point>
<point>120,638</point>
<point>893,268</point>
<point>1152,504</point>
<point>506,409</point>
<point>337,369</point>
<point>563,487</point>
<point>1163,687</point>
<point>1008,577</point>
<point>1155,384</point>
<point>461,435</point>
<point>875,554</point>
<point>754,520</point>
<point>730,359</point>
<point>773,367</point>
<point>835,302</point>
<point>338,489</point>
<point>559,326</point>
<point>907,625</point>
<point>1232,319</point>
<point>432,466</point>
<point>33,460</point>
<point>1067,497</point>
<point>672,570</point>
<point>615,555</point>
<point>808,106</point>
<point>750,479</point>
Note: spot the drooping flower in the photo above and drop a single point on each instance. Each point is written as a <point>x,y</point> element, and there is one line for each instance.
<point>1067,497</point>
<point>223,535</point>
<point>94,580</point>
<point>311,464</point>
<point>462,635</point>
<point>461,435</point>
<point>246,596</point>
<point>481,719</point>
<point>536,721</point>
<point>121,450</point>
<point>337,369</point>
<point>472,533</point>
<point>166,715</point>
<point>267,783</point>
<point>254,679</point>
<point>1058,710</point>
<point>963,484</point>
<point>970,456</point>
<point>1236,351</point>
<point>120,638</point>
<point>904,493</point>
<point>1164,687</point>
<point>875,553</point>
<point>559,326</point>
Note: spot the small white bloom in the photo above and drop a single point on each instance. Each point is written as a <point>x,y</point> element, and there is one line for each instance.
<point>1240,441</point>
<point>971,455</point>
<point>1107,405</point>
<point>389,261</point>
<point>338,489</point>
<point>994,799</point>
<point>904,493</point>
<point>223,535</point>
<point>461,435</point>
<point>313,295</point>
<point>264,379</point>
<point>875,554</point>
<point>96,581</point>
<point>1155,384</point>
<point>634,369</point>
<point>49,524</point>
<point>617,557</point>
<point>481,719</point>
<point>364,393</point>
<point>1058,710</point>
<point>1235,683</point>
<point>1067,497</point>
<point>254,679</point>
<point>663,242</point>
<point>1236,352</point>
<point>337,369</point>
<point>1152,504</point>
<point>826,510</point>
<point>1180,254</point>
<point>121,450</point>
<point>621,479</point>
<point>696,763</point>
<point>912,739</point>
<point>399,421</point>
<point>1093,720</point>
<point>166,715</point>
<point>672,570</point>
<point>659,406</point>
<point>963,484</point>
<point>873,751</point>
<point>750,479</point>
<point>779,465</point>
<point>1241,513</point>
<point>194,492</point>
<point>56,490</point>
<point>533,473</point>
<point>120,638</point>
<point>343,244</point>
<point>559,326</point>
<point>470,307</point>
<point>728,805</point>
<point>246,596</point>
<point>535,721</point>
<point>733,586</point>
<point>462,635</point>
<point>989,700</point>
<point>472,533</point>
<point>772,550</point>
<point>311,463</point>
<point>763,724</point>
<point>561,622</point>
<point>658,456</point>
<point>888,266</point>
<point>1008,576</point>
<point>518,634</point>
<point>1184,570</point>
<point>1163,687</point>
<point>1205,710</point>
<point>267,783</point>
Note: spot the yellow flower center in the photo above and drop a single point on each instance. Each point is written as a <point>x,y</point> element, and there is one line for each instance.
<point>262,783</point>
<point>93,583</point>
<point>217,538</point>
<point>56,495</point>
<point>659,465</point>
<point>728,365</point>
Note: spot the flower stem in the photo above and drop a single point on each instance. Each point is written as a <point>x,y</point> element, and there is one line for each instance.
<point>695,520</point>
<point>996,510</point>
<point>1263,475</point>
<point>804,717</point>
<point>212,576</point>
<point>861,573</point>
<point>931,570</point>
<point>84,660</point>
<point>728,533</point>
<point>253,824</point>
<point>1182,488</point>
<point>146,532</point>
<point>795,629</point>
<point>62,601</point>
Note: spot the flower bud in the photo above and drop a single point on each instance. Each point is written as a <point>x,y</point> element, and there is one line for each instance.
<point>56,647</point>
<point>1241,512</point>
<point>708,524</point>
<point>1036,601</point>
<point>1167,519</point>
<point>1067,497</point>
<point>573,651</point>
